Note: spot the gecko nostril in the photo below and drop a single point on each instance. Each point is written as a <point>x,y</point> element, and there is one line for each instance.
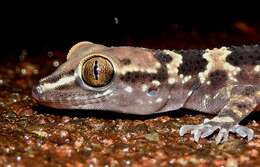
<point>39,89</point>
<point>37,92</point>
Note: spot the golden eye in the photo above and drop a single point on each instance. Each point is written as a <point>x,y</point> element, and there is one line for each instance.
<point>97,71</point>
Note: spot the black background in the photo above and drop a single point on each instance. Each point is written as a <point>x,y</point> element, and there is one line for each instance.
<point>47,26</point>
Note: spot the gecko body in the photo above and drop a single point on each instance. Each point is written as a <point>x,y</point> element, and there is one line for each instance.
<point>132,80</point>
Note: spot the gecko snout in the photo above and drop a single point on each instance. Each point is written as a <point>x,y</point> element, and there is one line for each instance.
<point>37,92</point>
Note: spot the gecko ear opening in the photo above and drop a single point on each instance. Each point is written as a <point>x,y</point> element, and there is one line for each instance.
<point>87,47</point>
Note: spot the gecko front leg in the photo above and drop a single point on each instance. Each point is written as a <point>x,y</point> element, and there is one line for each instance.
<point>242,102</point>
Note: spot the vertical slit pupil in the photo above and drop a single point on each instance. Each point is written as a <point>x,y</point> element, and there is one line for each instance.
<point>96,70</point>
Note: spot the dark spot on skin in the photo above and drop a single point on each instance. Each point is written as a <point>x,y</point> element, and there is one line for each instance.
<point>249,91</point>
<point>161,75</point>
<point>125,61</point>
<point>145,77</point>
<point>242,106</point>
<point>193,62</point>
<point>136,77</point>
<point>162,57</point>
<point>244,55</point>
<point>218,78</point>
<point>133,77</point>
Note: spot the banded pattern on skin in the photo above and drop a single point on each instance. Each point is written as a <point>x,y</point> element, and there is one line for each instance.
<point>173,66</point>
<point>156,72</point>
<point>217,79</point>
<point>57,82</point>
<point>244,55</point>
<point>134,68</point>
<point>144,63</point>
<point>185,65</point>
<point>193,62</point>
<point>217,61</point>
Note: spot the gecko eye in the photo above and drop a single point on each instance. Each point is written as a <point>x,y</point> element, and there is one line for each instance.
<point>97,71</point>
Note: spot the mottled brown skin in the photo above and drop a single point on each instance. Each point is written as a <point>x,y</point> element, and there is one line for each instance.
<point>223,81</point>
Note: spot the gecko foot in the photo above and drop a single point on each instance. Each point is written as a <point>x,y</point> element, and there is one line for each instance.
<point>209,127</point>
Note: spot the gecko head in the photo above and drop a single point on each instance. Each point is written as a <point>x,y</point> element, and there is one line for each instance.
<point>95,77</point>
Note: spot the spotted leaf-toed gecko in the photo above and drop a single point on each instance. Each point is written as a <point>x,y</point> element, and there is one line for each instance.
<point>132,80</point>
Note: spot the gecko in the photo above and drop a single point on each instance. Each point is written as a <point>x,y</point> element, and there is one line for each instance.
<point>222,81</point>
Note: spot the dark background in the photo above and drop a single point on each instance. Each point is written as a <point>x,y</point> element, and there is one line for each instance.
<point>47,26</point>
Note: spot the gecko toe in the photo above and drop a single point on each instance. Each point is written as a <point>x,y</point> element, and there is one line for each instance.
<point>196,134</point>
<point>186,129</point>
<point>209,131</point>
<point>199,131</point>
<point>222,136</point>
<point>243,131</point>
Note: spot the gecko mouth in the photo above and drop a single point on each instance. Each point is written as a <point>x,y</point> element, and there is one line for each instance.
<point>61,99</point>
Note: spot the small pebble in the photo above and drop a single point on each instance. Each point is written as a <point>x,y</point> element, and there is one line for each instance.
<point>231,163</point>
<point>39,142</point>
<point>23,71</point>
<point>254,153</point>
<point>254,123</point>
<point>65,119</point>
<point>42,121</point>
<point>55,63</point>
<point>87,151</point>
<point>26,136</point>
<point>154,136</point>
<point>18,158</point>
<point>78,142</point>
<point>67,141</point>
<point>40,133</point>
<point>128,162</point>
<point>63,133</point>
<point>8,165</point>
<point>182,161</point>
<point>172,161</point>
<point>11,115</point>
<point>126,149</point>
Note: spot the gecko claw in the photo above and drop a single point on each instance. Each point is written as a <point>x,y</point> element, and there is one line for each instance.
<point>243,131</point>
<point>209,127</point>
<point>208,132</point>
<point>198,131</point>
<point>196,134</point>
